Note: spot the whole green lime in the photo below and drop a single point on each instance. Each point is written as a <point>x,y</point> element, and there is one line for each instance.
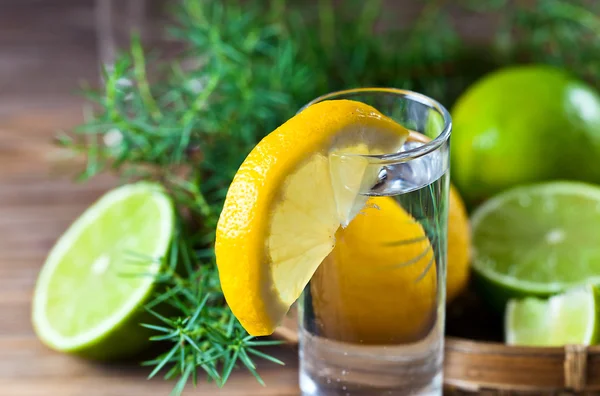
<point>524,124</point>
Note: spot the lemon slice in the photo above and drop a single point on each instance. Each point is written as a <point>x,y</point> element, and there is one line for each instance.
<point>381,261</point>
<point>288,199</point>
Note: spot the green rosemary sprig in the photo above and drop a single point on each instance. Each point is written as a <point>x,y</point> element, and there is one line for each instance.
<point>246,69</point>
<point>204,335</point>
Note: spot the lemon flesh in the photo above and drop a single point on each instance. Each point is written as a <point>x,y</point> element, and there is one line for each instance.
<point>379,284</point>
<point>288,199</point>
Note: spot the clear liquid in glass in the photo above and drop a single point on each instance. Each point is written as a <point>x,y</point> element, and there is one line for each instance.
<point>372,332</point>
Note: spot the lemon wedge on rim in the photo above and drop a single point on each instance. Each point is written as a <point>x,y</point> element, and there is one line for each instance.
<point>288,199</point>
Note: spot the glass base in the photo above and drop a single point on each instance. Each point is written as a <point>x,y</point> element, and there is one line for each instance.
<point>311,388</point>
<point>331,368</point>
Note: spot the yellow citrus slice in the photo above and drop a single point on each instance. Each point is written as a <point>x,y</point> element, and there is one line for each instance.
<point>459,246</point>
<point>287,201</point>
<point>384,250</point>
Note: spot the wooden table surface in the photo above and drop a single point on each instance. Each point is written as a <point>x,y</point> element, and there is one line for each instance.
<point>43,57</point>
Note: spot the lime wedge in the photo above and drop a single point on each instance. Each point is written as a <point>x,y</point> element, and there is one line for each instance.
<point>89,292</point>
<point>569,318</point>
<point>537,240</point>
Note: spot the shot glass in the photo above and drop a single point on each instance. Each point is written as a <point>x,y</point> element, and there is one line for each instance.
<point>371,320</point>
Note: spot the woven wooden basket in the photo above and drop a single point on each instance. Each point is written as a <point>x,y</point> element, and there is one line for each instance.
<point>476,360</point>
<point>492,368</point>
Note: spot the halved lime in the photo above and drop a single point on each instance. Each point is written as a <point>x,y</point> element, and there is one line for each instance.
<point>569,318</point>
<point>89,292</point>
<point>537,240</point>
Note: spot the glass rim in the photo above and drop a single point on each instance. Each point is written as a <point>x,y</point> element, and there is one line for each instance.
<point>410,154</point>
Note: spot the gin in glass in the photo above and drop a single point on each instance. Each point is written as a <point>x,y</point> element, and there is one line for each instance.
<point>371,320</point>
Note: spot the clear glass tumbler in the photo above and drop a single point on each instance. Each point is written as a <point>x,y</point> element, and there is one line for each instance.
<point>372,317</point>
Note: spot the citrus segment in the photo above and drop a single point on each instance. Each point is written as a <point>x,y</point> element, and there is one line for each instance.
<point>569,318</point>
<point>287,200</point>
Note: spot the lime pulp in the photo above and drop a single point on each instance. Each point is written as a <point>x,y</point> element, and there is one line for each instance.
<point>569,318</point>
<point>100,272</point>
<point>537,240</point>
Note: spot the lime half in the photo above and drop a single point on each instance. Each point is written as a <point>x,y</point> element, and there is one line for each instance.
<point>89,292</point>
<point>569,318</point>
<point>537,240</point>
